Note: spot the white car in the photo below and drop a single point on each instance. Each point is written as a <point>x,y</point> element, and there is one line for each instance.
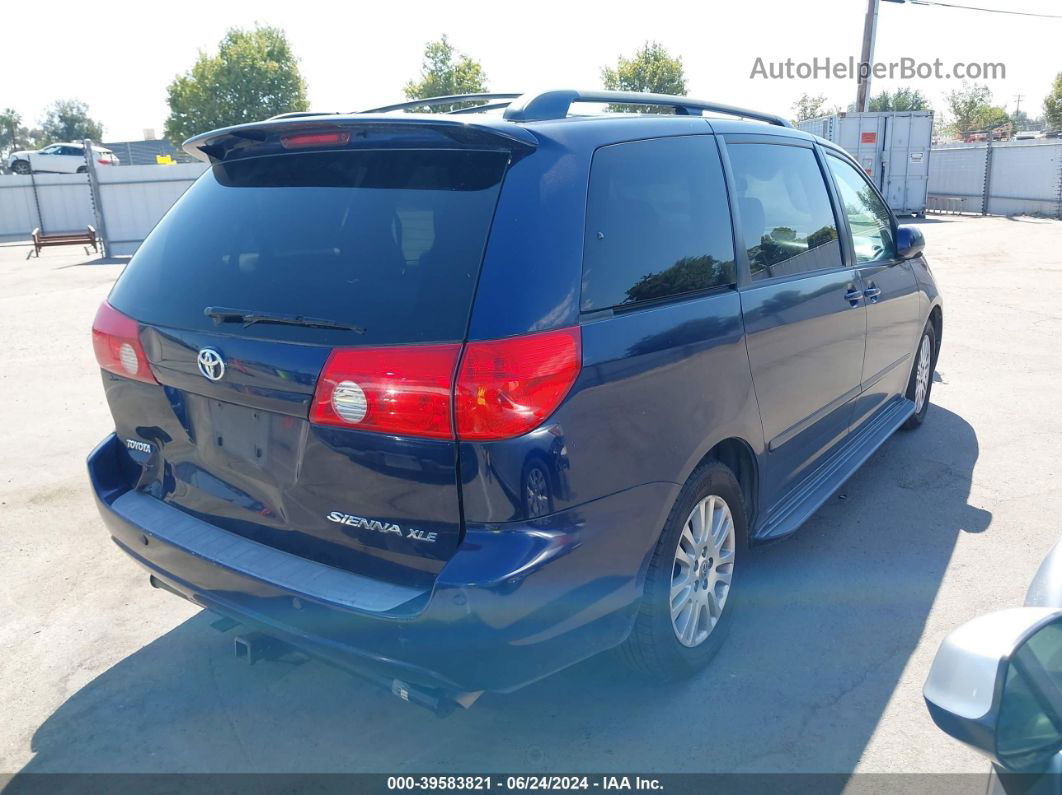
<point>64,158</point>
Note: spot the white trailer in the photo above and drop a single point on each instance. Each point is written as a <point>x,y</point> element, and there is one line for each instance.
<point>893,148</point>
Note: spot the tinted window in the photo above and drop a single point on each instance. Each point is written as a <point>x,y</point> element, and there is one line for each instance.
<point>868,216</point>
<point>388,240</point>
<point>785,210</point>
<point>657,222</point>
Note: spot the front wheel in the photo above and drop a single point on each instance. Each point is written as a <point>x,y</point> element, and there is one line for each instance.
<point>921,384</point>
<point>20,167</point>
<point>687,606</point>
<point>82,169</point>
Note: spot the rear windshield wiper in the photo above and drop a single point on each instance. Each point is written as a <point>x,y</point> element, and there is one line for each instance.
<point>248,317</point>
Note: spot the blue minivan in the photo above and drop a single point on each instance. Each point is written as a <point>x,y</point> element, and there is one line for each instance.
<point>457,399</point>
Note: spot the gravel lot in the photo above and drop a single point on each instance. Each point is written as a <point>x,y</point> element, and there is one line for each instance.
<point>823,673</point>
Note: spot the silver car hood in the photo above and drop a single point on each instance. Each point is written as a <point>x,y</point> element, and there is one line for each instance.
<point>1045,590</point>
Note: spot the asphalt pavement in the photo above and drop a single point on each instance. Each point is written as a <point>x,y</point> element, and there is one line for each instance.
<point>823,672</point>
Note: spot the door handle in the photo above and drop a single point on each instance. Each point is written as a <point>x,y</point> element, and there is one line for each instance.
<point>872,294</point>
<point>853,295</point>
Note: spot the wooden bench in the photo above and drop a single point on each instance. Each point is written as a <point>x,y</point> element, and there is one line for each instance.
<point>86,238</point>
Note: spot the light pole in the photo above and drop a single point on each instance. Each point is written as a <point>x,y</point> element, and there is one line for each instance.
<point>866,60</point>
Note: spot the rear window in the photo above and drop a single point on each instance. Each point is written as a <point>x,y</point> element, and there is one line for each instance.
<point>390,241</point>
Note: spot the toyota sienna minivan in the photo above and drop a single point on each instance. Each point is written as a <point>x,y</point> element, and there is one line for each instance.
<point>458,399</point>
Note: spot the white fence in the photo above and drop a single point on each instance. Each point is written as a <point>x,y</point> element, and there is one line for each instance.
<point>1016,178</point>
<point>132,200</point>
<point>53,202</point>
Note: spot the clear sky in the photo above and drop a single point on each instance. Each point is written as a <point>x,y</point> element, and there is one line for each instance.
<point>119,56</point>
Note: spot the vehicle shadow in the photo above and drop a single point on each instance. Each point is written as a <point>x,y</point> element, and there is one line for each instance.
<point>928,220</point>
<point>829,620</point>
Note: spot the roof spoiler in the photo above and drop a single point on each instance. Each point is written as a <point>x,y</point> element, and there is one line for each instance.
<point>437,130</point>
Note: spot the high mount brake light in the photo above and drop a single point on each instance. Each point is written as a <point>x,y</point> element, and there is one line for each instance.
<point>308,140</point>
<point>504,388</point>
<point>116,341</point>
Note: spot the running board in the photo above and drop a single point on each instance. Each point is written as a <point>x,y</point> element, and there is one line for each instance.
<point>809,496</point>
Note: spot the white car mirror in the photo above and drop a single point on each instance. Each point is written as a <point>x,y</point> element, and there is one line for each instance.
<point>996,685</point>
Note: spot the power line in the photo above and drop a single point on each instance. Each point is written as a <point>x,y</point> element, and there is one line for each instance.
<point>977,8</point>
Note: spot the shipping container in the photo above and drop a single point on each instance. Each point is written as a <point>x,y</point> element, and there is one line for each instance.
<point>893,148</point>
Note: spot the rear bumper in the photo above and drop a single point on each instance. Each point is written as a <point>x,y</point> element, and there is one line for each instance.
<point>515,603</point>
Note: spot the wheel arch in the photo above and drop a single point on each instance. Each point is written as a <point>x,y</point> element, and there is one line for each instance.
<point>936,318</point>
<point>737,455</point>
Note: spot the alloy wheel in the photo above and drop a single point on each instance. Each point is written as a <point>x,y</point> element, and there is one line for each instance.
<point>703,570</point>
<point>925,357</point>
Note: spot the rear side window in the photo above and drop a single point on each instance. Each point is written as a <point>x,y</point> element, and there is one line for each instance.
<point>388,240</point>
<point>786,217</point>
<point>657,222</point>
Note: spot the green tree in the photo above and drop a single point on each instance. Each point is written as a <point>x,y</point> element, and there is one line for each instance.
<point>1053,105</point>
<point>972,109</point>
<point>68,120</point>
<point>10,131</point>
<point>809,107</point>
<point>992,117</point>
<point>686,275</point>
<point>904,99</point>
<point>1021,120</point>
<point>14,136</point>
<point>651,70</point>
<point>254,75</point>
<point>445,72</point>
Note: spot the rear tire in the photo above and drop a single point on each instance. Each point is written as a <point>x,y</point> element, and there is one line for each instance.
<point>21,167</point>
<point>82,169</point>
<point>920,385</point>
<point>661,644</point>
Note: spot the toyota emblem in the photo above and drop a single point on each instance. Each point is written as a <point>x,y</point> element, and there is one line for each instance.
<point>211,365</point>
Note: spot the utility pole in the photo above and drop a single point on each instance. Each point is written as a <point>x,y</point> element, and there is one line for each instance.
<point>866,61</point>
<point>1018,99</point>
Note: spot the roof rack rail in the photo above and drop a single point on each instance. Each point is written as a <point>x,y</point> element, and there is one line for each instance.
<point>479,108</point>
<point>431,102</point>
<point>557,104</point>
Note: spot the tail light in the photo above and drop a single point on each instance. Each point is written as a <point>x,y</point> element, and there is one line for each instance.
<point>404,390</point>
<point>504,388</point>
<point>116,341</point>
<point>508,387</point>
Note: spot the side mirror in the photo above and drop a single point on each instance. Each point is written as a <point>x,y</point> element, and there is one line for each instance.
<point>996,685</point>
<point>909,242</point>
